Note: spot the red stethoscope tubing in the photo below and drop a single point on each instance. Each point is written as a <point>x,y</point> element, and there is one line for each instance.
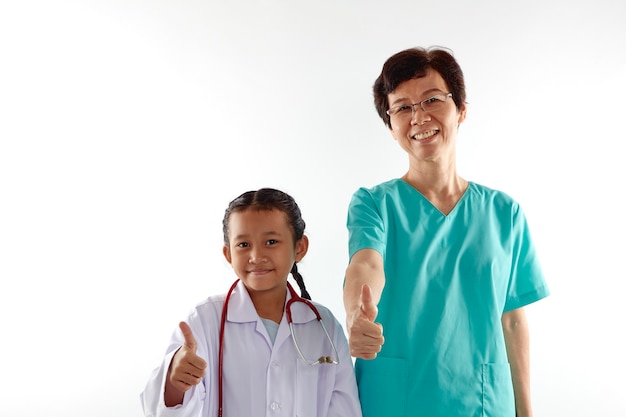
<point>221,351</point>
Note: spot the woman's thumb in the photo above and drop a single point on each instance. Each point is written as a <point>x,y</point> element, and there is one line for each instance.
<point>367,303</point>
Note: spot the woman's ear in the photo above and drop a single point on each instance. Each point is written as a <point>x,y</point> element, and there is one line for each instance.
<point>393,133</point>
<point>302,246</point>
<point>462,114</point>
<point>226,252</point>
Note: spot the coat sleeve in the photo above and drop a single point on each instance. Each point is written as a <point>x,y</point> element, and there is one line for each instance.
<point>152,397</point>
<point>344,401</point>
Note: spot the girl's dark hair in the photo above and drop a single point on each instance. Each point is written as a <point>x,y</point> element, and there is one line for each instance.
<point>413,63</point>
<point>271,199</point>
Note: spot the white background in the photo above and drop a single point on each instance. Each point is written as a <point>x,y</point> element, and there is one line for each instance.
<point>127,126</point>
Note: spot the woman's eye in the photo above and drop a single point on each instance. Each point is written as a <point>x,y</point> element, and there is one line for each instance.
<point>404,109</point>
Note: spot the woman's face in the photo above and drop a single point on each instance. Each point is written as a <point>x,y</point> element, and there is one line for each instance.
<point>425,136</point>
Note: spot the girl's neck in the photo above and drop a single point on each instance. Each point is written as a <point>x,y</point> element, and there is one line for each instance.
<point>269,305</point>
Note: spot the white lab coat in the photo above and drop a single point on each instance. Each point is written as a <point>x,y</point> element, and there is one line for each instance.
<point>261,379</point>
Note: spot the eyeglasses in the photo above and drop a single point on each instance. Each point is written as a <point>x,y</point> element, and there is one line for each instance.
<point>431,104</point>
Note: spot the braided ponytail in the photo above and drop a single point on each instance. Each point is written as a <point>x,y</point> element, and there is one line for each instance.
<point>300,281</point>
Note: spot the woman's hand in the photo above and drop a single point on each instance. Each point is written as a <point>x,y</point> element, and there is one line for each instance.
<point>364,335</point>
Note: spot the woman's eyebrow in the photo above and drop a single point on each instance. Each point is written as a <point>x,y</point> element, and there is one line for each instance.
<point>424,93</point>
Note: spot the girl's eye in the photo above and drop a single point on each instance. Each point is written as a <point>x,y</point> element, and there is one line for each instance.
<point>272,242</point>
<point>242,245</point>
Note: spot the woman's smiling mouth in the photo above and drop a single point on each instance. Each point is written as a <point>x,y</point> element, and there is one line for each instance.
<point>425,135</point>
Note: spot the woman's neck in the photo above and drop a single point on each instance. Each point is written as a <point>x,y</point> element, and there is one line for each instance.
<point>443,189</point>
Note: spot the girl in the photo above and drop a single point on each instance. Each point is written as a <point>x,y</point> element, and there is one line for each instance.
<point>260,349</point>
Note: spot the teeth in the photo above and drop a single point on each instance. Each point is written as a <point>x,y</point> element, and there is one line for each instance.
<point>425,135</point>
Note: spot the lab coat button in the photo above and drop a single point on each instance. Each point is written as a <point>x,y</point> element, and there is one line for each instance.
<point>274,406</point>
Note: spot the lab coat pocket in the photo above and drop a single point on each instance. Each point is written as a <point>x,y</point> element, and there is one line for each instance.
<point>306,389</point>
<point>498,399</point>
<point>383,386</point>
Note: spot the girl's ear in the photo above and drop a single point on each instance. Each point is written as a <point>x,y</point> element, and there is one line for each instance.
<point>302,246</point>
<point>226,252</point>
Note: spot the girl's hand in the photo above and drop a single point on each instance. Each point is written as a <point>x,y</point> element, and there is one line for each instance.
<point>186,369</point>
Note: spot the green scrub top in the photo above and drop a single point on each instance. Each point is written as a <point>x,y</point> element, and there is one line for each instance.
<point>448,281</point>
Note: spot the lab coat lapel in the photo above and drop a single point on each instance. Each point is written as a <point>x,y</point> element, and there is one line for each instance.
<point>283,334</point>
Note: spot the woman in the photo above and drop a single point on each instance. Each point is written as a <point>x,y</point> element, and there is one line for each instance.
<point>440,267</point>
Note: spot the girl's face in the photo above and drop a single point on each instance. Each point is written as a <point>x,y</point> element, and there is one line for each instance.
<point>262,250</point>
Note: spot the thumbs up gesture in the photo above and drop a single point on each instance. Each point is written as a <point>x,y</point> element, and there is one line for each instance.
<point>187,368</point>
<point>365,336</point>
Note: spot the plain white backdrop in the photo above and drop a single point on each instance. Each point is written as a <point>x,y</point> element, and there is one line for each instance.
<point>127,126</point>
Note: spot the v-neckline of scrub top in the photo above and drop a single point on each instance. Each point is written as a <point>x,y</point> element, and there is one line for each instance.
<point>454,209</point>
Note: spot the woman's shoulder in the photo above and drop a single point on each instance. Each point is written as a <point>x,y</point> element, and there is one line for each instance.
<point>484,191</point>
<point>492,197</point>
<point>387,187</point>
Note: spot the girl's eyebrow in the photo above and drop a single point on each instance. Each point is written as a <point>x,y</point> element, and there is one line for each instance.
<point>243,236</point>
<point>240,236</point>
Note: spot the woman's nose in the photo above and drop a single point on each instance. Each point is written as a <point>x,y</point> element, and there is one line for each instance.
<point>419,116</point>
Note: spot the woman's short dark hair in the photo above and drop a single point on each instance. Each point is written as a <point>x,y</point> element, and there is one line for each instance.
<point>414,63</point>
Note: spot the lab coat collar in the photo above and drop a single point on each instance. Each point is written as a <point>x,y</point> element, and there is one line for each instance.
<point>241,309</point>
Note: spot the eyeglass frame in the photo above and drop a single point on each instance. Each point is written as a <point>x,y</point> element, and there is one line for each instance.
<point>421,104</point>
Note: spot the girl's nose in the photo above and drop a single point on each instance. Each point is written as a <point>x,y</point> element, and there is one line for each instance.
<point>257,256</point>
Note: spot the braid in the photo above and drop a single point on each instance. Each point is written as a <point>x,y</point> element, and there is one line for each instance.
<point>300,281</point>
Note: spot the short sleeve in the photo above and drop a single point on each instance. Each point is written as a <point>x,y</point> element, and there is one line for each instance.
<point>366,229</point>
<point>526,283</point>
